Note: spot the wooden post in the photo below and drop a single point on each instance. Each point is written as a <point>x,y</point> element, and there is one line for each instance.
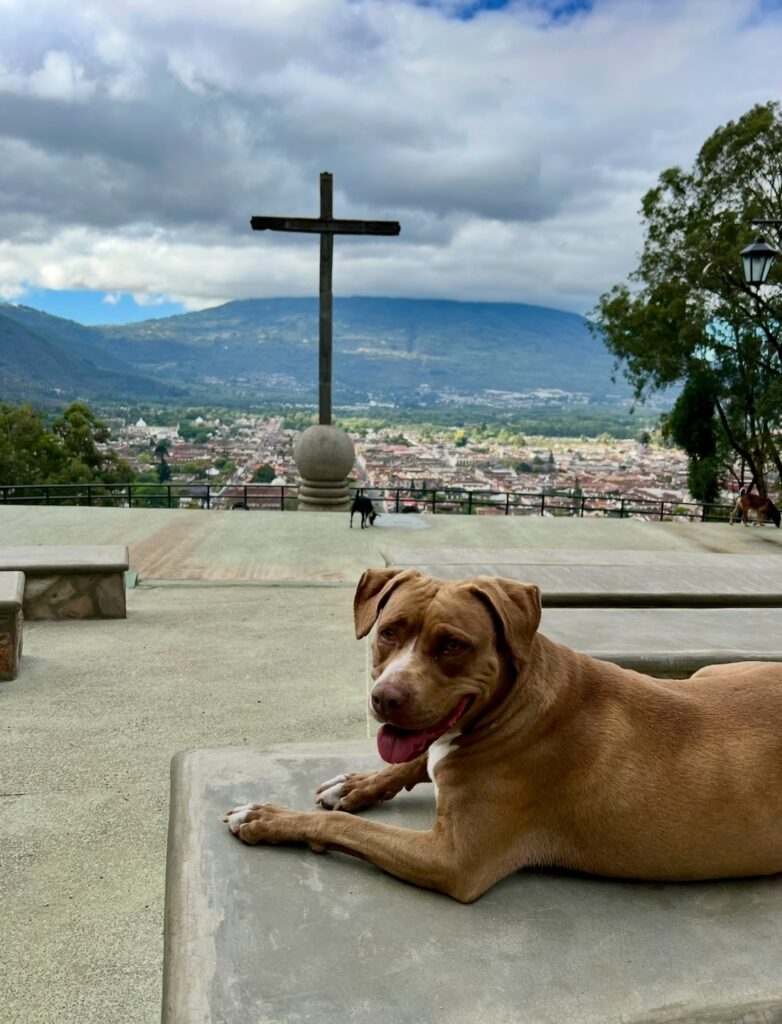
<point>325,319</point>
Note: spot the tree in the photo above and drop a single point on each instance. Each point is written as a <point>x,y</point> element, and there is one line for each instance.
<point>31,452</point>
<point>79,433</point>
<point>691,425</point>
<point>263,475</point>
<point>162,449</point>
<point>688,318</point>
<point>27,448</point>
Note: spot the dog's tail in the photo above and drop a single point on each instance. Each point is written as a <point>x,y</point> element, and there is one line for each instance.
<point>742,492</point>
<point>773,513</point>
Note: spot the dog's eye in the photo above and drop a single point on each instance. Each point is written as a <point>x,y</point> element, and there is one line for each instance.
<point>387,635</point>
<point>450,645</point>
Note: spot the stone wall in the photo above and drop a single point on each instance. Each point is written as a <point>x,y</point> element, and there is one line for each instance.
<point>75,596</point>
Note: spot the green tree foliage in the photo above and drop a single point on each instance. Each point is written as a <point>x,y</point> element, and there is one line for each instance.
<point>263,475</point>
<point>162,449</point>
<point>687,317</point>
<point>63,452</point>
<point>692,425</point>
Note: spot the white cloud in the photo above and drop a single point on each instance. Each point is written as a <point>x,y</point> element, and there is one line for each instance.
<point>514,146</point>
<point>59,78</point>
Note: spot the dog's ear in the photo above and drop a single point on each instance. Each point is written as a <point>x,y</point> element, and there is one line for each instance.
<point>515,608</point>
<point>372,592</point>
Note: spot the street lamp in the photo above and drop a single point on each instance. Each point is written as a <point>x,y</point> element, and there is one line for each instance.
<point>759,257</point>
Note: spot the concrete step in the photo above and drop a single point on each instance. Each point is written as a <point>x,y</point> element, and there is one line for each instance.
<point>615,579</point>
<point>668,641</point>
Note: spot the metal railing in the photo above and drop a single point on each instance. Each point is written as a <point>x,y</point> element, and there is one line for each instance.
<point>149,495</point>
<point>463,501</point>
<point>437,500</point>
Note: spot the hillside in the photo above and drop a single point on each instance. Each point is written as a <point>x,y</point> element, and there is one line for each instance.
<point>60,365</point>
<point>407,351</point>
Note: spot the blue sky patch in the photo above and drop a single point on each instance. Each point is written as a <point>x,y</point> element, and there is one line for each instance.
<point>558,10</point>
<point>87,307</point>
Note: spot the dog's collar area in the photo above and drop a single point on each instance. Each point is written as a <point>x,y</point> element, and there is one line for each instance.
<point>396,745</point>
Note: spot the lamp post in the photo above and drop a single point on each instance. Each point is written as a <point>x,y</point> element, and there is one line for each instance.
<point>759,257</point>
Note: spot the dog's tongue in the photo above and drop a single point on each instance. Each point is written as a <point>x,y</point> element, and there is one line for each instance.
<point>398,745</point>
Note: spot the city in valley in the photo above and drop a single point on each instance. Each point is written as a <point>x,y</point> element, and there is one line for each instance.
<point>399,464</point>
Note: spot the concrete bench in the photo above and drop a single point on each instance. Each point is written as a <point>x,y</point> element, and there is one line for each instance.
<point>81,582</point>
<point>590,579</point>
<point>11,597</point>
<point>282,934</point>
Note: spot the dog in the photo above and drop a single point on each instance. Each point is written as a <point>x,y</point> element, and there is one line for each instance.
<point>763,508</point>
<point>541,756</point>
<point>366,508</point>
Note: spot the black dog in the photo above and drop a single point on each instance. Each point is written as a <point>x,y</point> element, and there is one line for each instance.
<point>366,508</point>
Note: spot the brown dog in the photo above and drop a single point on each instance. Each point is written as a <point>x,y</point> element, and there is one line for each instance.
<point>541,756</point>
<point>764,508</point>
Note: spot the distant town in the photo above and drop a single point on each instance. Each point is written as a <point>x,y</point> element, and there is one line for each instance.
<point>231,453</point>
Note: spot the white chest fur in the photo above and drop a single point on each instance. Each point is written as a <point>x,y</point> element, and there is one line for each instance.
<point>438,751</point>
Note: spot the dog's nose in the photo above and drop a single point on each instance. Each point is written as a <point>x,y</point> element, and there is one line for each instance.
<point>388,698</point>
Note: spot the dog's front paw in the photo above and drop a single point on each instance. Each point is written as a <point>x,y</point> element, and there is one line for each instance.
<point>355,791</point>
<point>330,793</point>
<point>235,818</point>
<point>267,823</point>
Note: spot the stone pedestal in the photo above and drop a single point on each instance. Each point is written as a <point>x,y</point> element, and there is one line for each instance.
<point>324,456</point>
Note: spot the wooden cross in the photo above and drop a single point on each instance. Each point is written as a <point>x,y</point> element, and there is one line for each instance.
<point>325,226</point>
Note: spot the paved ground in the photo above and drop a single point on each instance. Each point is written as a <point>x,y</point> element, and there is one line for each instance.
<point>184,544</point>
<point>240,633</point>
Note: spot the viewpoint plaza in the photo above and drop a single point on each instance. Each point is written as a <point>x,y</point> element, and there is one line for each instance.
<point>239,635</point>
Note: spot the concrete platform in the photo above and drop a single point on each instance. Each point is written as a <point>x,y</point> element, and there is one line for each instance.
<point>240,632</point>
<point>284,935</point>
<point>190,544</point>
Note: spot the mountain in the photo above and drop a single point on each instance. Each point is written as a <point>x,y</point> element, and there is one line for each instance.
<point>62,363</point>
<point>407,351</point>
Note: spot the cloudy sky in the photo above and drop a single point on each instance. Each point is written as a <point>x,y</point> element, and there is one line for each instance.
<point>513,140</point>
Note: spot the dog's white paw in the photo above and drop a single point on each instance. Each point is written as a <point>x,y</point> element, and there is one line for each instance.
<point>237,817</point>
<point>331,792</point>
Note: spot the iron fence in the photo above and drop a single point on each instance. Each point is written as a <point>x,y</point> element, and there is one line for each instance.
<point>463,501</point>
<point>435,500</point>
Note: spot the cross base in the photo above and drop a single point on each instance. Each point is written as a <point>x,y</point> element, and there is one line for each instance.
<point>323,496</point>
<point>324,456</point>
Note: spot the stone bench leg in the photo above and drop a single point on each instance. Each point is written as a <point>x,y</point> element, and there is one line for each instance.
<point>10,644</point>
<point>11,622</point>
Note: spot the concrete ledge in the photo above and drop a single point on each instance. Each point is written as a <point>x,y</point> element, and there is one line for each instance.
<point>81,582</point>
<point>11,623</point>
<point>263,933</point>
<point>694,581</point>
<point>673,642</point>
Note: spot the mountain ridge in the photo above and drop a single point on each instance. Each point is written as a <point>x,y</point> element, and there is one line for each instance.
<point>402,351</point>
